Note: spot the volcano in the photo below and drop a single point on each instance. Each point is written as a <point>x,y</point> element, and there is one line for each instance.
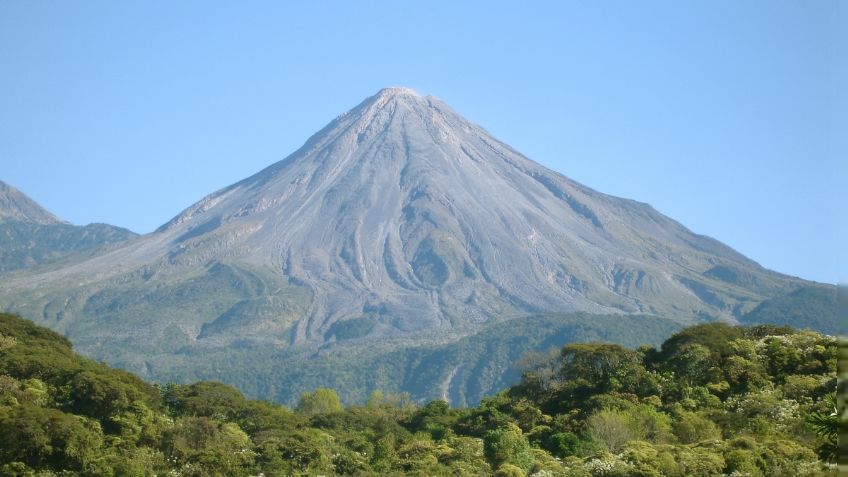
<point>398,222</point>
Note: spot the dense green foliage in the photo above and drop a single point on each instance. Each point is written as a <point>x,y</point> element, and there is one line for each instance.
<point>712,400</point>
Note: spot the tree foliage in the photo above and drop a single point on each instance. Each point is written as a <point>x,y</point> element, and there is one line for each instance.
<point>713,400</point>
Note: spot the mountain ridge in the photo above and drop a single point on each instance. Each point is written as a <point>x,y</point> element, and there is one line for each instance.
<point>15,205</point>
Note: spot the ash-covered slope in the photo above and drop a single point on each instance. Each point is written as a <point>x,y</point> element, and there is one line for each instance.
<point>398,219</point>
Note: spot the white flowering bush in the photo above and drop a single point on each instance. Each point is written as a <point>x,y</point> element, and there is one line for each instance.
<point>607,465</point>
<point>768,404</point>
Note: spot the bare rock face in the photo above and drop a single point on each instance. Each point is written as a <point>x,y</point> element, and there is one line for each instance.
<point>399,219</point>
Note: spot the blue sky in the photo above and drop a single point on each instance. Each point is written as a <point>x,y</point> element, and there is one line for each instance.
<point>724,115</point>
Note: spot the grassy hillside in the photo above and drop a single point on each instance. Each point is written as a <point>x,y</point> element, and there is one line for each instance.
<point>712,400</point>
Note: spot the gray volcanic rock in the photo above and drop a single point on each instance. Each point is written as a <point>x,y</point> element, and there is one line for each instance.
<point>399,219</point>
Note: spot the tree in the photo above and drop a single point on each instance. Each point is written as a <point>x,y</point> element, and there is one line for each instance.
<point>48,439</point>
<point>435,418</point>
<point>539,371</point>
<point>320,401</point>
<point>691,428</point>
<point>717,337</point>
<point>615,428</point>
<point>101,393</point>
<point>206,398</point>
<point>507,445</point>
<point>691,362</point>
<point>605,367</point>
<point>217,448</point>
<point>562,444</point>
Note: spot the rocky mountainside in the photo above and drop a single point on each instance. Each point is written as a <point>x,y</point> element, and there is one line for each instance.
<point>30,236</point>
<point>15,205</point>
<point>399,224</point>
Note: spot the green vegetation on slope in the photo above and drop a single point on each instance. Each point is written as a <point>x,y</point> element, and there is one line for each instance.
<point>806,307</point>
<point>28,244</point>
<point>712,400</point>
<point>462,372</point>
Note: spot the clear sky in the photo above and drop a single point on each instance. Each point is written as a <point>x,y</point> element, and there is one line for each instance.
<point>729,116</point>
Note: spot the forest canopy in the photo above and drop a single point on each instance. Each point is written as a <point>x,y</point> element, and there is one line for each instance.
<point>712,400</point>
